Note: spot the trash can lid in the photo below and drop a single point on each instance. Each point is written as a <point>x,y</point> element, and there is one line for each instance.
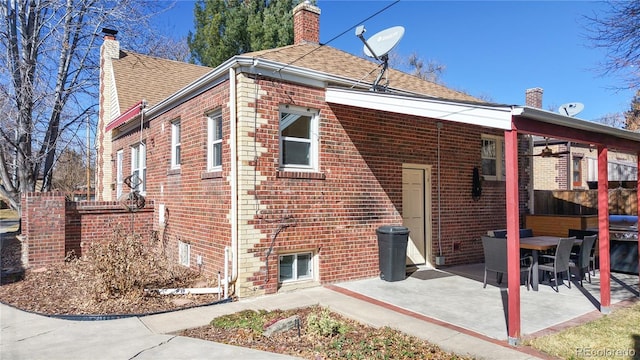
<point>393,229</point>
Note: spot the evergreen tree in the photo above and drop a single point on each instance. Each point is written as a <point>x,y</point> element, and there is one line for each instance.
<point>224,28</point>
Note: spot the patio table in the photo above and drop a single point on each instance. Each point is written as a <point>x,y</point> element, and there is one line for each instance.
<point>539,243</point>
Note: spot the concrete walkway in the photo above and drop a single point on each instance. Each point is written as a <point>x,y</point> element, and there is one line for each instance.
<point>447,309</point>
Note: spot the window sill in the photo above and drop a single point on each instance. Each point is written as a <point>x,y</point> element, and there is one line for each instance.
<point>171,172</point>
<point>284,174</point>
<point>211,175</point>
<point>297,285</point>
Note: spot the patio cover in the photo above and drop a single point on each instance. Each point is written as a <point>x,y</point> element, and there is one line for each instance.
<point>514,119</point>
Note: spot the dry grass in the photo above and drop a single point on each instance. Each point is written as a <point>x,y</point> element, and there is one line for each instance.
<point>613,336</point>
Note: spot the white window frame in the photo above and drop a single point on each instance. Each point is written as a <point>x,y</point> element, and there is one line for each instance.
<point>294,271</point>
<point>499,159</point>
<point>312,139</point>
<point>119,173</point>
<point>214,141</point>
<point>176,133</point>
<point>138,152</point>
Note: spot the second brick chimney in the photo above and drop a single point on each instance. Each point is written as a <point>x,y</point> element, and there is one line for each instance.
<point>306,24</point>
<point>533,98</point>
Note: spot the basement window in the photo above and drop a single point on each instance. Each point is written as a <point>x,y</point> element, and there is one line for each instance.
<point>295,267</point>
<point>184,253</point>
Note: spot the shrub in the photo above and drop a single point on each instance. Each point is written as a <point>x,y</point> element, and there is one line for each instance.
<point>125,266</point>
<point>321,323</point>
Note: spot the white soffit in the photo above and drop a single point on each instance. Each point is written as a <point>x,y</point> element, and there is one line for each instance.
<point>467,113</point>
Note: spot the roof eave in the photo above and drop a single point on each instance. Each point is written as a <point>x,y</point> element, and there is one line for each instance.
<point>488,115</point>
<point>257,66</point>
<point>573,123</point>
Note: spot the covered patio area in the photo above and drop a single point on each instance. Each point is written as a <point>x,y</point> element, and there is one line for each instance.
<point>454,296</point>
<point>515,121</point>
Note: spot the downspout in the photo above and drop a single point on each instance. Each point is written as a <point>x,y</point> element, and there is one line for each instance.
<point>569,161</point>
<point>233,119</point>
<point>439,126</point>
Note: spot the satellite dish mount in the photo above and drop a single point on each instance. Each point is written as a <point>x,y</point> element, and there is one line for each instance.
<point>378,47</point>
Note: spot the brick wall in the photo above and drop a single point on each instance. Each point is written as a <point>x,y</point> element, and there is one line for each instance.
<point>333,213</point>
<point>52,226</point>
<point>89,222</point>
<point>196,202</point>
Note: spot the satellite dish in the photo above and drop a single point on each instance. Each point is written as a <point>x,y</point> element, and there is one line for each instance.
<point>378,47</point>
<point>571,109</point>
<point>381,43</point>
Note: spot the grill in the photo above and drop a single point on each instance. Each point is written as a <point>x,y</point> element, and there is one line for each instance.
<point>623,237</point>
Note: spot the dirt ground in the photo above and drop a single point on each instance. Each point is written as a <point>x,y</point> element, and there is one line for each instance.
<point>66,289</point>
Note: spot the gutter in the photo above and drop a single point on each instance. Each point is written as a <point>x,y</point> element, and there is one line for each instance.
<point>573,123</point>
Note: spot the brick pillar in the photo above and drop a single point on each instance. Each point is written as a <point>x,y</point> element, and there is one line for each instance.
<point>43,219</point>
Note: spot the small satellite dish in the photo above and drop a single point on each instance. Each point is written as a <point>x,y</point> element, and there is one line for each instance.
<point>571,109</point>
<point>381,43</point>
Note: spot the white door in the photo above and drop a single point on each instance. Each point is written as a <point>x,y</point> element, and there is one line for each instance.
<point>416,205</point>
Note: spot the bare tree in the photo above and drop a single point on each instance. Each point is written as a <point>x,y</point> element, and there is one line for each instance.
<point>617,31</point>
<point>414,65</point>
<point>170,48</point>
<point>69,173</point>
<point>49,51</point>
<point>615,120</point>
<point>431,71</point>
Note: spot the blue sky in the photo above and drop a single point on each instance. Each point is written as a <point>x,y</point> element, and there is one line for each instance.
<point>491,49</point>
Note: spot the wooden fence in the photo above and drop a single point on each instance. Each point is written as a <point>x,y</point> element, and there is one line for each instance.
<point>584,202</point>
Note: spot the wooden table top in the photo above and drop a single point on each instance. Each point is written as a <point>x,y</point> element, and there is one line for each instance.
<point>541,242</point>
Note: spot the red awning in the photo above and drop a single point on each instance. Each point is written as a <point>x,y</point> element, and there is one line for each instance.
<point>131,113</point>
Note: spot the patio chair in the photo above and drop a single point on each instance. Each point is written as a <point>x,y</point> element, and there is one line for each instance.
<point>580,234</point>
<point>559,263</point>
<point>580,262</point>
<point>495,259</point>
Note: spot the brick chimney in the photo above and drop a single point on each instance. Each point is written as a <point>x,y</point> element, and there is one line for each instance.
<point>306,24</point>
<point>533,98</point>
<point>108,108</point>
<point>110,46</point>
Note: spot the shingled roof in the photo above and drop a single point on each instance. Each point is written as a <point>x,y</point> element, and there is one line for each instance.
<point>153,79</point>
<point>330,60</point>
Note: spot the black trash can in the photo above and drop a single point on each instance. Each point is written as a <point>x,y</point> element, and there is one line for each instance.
<point>392,251</point>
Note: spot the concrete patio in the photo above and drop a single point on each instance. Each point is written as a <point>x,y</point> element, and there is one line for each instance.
<point>455,295</point>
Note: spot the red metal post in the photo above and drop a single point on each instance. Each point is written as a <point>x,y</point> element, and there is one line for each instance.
<point>513,234</point>
<point>603,230</point>
<point>638,209</point>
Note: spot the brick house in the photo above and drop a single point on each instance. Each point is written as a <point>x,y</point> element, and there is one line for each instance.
<point>281,164</point>
<point>577,167</point>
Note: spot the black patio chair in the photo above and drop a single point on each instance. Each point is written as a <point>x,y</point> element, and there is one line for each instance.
<point>559,263</point>
<point>495,259</point>
<point>580,262</point>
